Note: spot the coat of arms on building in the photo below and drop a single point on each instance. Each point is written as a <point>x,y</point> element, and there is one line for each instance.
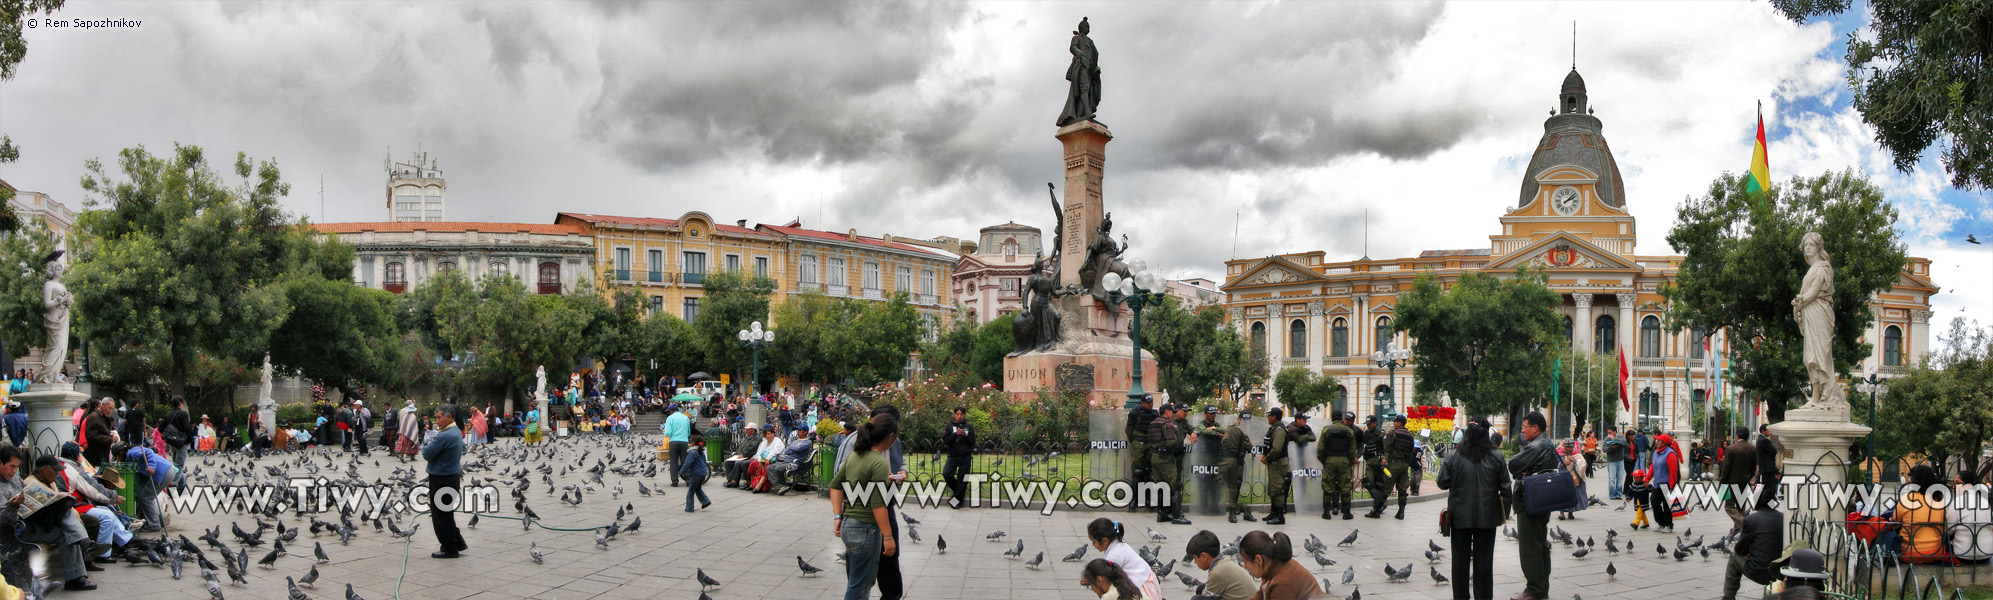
<point>1562,256</point>
<point>1074,377</point>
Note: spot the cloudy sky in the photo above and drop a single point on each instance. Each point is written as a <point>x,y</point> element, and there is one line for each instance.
<point>1286,122</point>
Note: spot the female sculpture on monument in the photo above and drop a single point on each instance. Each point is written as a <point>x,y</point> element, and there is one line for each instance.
<point>55,319</point>
<point>1814,310</point>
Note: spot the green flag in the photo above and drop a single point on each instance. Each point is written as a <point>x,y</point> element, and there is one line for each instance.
<point>1555,376</point>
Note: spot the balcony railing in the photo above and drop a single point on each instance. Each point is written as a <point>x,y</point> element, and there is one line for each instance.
<point>395,286</point>
<point>657,276</point>
<point>809,287</point>
<point>874,293</point>
<point>924,299</point>
<point>622,274</point>
<point>837,290</point>
<point>550,288</point>
<point>1010,294</point>
<point>692,278</point>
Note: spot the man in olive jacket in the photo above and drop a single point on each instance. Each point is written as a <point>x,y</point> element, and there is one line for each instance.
<point>1231,467</point>
<point>1740,465</point>
<point>1532,531</point>
<point>1338,448</point>
<point>1277,475</point>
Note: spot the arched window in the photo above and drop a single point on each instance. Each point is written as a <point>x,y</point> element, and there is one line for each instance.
<point>1381,401</point>
<point>397,278</point>
<point>446,266</point>
<point>1383,333</point>
<point>1892,346</point>
<point>499,269</point>
<point>1568,330</point>
<point>550,277</point>
<point>1605,337</point>
<point>1339,401</point>
<point>1009,248</point>
<point>1297,339</point>
<point>1339,338</point>
<point>1697,337</point>
<point>1650,337</point>
<point>1259,336</point>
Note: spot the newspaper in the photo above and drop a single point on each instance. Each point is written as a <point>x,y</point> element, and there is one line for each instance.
<point>36,496</point>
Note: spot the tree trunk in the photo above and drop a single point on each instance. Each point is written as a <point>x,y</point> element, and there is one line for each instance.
<point>346,389</point>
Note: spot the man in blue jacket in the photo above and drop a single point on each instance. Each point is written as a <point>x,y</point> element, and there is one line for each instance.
<point>446,473</point>
<point>678,429</point>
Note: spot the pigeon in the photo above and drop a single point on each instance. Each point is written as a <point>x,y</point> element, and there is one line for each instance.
<point>1188,581</point>
<point>318,551</point>
<point>473,522</point>
<point>1509,532</point>
<point>910,520</point>
<point>1036,560</point>
<point>350,595</point>
<point>1685,531</point>
<point>1164,571</point>
<point>602,539</point>
<point>914,534</point>
<point>1610,570</point>
<point>634,525</point>
<point>808,570</point>
<point>1680,555</point>
<point>1581,553</point>
<point>1348,541</point>
<point>1437,579</point>
<point>296,594</point>
<point>1349,573</point>
<point>1610,548</point>
<point>214,590</point>
<point>533,550</point>
<point>310,578</point>
<point>1401,575</point>
<point>1432,557</point>
<point>1433,547</point>
<point>1153,536</point>
<point>1355,593</point>
<point>1076,555</point>
<point>1323,561</point>
<point>270,560</point>
<point>1016,551</point>
<point>940,543</point>
<point>1661,549</point>
<point>706,582</point>
<point>994,535</point>
<point>1705,555</point>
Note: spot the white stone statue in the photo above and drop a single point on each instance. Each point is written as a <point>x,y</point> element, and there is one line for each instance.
<point>263,397</point>
<point>540,389</point>
<point>1814,310</point>
<point>56,301</point>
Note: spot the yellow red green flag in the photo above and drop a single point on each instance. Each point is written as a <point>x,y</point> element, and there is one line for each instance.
<point>1761,171</point>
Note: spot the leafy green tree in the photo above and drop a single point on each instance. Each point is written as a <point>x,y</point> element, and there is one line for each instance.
<point>1943,407</point>
<point>731,302</point>
<point>1741,269</point>
<point>21,280</point>
<point>511,332</point>
<point>169,256</point>
<point>1197,355</point>
<point>1486,341</point>
<point>1246,375</point>
<point>802,323</point>
<point>972,351</point>
<point>1302,390</point>
<point>1922,73</point>
<point>874,347</point>
<point>340,334</point>
<point>669,343</point>
<point>431,309</point>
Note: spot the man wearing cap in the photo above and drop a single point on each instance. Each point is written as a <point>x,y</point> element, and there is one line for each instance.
<point>1208,437</point>
<point>743,451</point>
<point>56,526</point>
<point>1400,454</point>
<point>1374,478</point>
<point>1759,542</point>
<point>93,496</point>
<point>1167,462</point>
<point>1231,467</point>
<point>1138,438</point>
<point>1805,567</point>
<point>1274,456</point>
<point>1337,448</point>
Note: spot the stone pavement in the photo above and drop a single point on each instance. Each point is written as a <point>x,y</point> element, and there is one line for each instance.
<point>750,544</point>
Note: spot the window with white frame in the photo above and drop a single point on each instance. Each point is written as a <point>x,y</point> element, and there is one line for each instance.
<point>927,281</point>
<point>837,271</point>
<point>871,275</point>
<point>733,263</point>
<point>760,266</point>
<point>807,272</point>
<point>904,281</point>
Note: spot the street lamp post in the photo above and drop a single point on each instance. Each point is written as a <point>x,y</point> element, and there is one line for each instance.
<point>1871,382</point>
<point>1134,291</point>
<point>1640,416</point>
<point>1390,358</point>
<point>757,338</point>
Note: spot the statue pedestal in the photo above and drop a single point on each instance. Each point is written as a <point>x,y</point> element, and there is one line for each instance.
<point>266,413</point>
<point>49,408</point>
<point>1816,443</point>
<point>1103,376</point>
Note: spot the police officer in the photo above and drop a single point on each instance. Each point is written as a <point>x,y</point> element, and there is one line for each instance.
<point>1166,462</point>
<point>1277,475</point>
<point>1232,467</point>
<point>1336,451</point>
<point>1209,436</point>
<point>1400,455</point>
<point>1373,463</point>
<point>1138,439</point>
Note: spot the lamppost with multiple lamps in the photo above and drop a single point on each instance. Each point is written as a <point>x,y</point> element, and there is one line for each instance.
<point>757,338</point>
<point>1390,358</point>
<point>1640,416</point>
<point>1871,382</point>
<point>1135,291</point>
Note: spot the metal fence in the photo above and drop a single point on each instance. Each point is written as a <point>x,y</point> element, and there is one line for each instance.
<point>1886,546</point>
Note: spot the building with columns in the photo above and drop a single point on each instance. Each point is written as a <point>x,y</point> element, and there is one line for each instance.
<point>989,282</point>
<point>398,255</point>
<point>668,259</point>
<point>848,265</point>
<point>1571,221</point>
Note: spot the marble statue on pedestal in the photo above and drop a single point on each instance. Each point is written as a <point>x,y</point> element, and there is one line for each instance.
<point>1814,310</point>
<point>55,319</point>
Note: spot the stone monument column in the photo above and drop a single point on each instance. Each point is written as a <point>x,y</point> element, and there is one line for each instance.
<point>1085,145</point>
<point>1581,326</point>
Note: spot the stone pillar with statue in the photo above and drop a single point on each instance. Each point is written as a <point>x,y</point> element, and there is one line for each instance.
<point>266,406</point>
<point>50,402</point>
<point>1816,437</point>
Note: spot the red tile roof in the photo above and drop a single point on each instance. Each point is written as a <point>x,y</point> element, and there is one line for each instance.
<point>406,226</point>
<point>649,222</point>
<point>831,235</point>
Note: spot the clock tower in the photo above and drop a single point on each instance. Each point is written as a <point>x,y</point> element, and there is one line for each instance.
<point>1571,189</point>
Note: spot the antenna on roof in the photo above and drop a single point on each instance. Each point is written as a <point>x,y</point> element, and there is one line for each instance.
<point>1574,44</point>
<point>321,197</point>
<point>1366,234</point>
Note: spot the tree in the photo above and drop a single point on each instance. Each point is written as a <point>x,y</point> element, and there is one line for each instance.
<point>1197,356</point>
<point>433,308</point>
<point>1741,269</point>
<point>971,354</point>
<point>1588,388</point>
<point>874,347</point>
<point>509,332</point>
<point>1943,407</point>
<point>1487,342</point>
<point>1920,72</point>
<point>21,281</point>
<point>802,322</point>
<point>668,345</point>
<point>339,333</point>
<point>172,258</point>
<point>1249,373</point>
<point>14,49</point>
<point>1302,390</point>
<point>732,301</point>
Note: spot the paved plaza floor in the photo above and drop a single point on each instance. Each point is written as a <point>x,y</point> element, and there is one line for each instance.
<point>750,542</point>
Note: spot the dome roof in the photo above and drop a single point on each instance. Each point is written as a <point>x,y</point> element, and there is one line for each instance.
<point>1572,137</point>
<point>1573,83</point>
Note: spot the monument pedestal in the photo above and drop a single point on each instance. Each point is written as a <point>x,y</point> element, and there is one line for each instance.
<point>1816,442</point>
<point>49,407</point>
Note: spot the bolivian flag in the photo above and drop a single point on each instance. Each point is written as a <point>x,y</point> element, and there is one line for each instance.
<point>1761,171</point>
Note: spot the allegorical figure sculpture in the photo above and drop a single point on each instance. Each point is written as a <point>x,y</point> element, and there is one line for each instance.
<point>1103,256</point>
<point>1814,310</point>
<point>55,318</point>
<point>1083,94</point>
<point>1037,327</point>
<point>264,396</point>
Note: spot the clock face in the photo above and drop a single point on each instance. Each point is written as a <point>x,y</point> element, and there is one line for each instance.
<point>1565,201</point>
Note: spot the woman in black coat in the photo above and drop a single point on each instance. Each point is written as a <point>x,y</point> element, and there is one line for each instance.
<point>1479,484</point>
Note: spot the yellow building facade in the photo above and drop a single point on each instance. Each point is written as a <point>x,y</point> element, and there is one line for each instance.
<point>667,260</point>
<point>1570,221</point>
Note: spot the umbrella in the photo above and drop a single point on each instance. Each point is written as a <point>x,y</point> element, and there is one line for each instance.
<point>699,376</point>
<point>688,398</point>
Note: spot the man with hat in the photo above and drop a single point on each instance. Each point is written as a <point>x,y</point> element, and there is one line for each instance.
<point>1336,450</point>
<point>1231,467</point>
<point>1277,476</point>
<point>1401,453</point>
<point>56,524</point>
<point>1167,462</point>
<point>1137,431</point>
<point>1805,567</point>
<point>743,452</point>
<point>94,496</point>
<point>1374,478</point>
<point>1759,543</point>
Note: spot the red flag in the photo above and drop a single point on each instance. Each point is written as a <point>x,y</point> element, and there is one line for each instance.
<point>1624,374</point>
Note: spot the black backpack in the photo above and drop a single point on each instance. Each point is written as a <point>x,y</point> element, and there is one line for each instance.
<point>1156,430</point>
